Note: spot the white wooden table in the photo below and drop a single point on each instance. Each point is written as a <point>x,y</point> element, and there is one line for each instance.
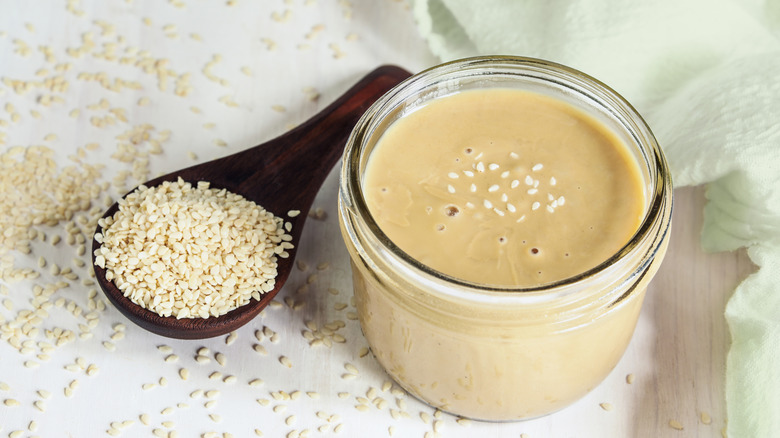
<point>247,72</point>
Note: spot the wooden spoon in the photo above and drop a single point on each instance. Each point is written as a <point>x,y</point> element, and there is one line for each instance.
<point>280,175</point>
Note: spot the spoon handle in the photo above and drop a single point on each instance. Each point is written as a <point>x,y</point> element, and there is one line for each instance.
<point>286,172</point>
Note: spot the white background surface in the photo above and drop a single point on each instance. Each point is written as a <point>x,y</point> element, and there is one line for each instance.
<point>273,53</point>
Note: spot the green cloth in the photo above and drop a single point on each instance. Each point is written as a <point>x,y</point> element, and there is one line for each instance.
<point>706,76</point>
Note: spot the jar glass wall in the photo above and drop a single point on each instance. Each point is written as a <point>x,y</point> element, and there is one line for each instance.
<point>499,352</point>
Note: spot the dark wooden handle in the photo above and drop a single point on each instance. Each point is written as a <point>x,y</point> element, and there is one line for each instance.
<point>286,172</point>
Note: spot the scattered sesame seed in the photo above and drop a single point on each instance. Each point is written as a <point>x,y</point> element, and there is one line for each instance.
<point>674,424</point>
<point>705,418</point>
<point>606,406</point>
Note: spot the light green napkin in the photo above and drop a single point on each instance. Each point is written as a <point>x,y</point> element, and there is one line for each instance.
<point>706,76</point>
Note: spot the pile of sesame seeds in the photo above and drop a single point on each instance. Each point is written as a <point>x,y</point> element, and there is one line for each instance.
<point>191,252</point>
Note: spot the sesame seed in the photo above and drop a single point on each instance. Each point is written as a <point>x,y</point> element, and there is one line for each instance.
<point>606,406</point>
<point>514,184</point>
<point>537,167</point>
<point>450,188</point>
<point>553,181</point>
<point>629,378</point>
<point>468,173</point>
<point>493,188</point>
<point>550,209</point>
<point>529,181</point>
<point>535,205</point>
<point>453,175</point>
<point>533,191</point>
<point>493,166</point>
<point>480,167</point>
<point>505,174</point>
<point>674,424</point>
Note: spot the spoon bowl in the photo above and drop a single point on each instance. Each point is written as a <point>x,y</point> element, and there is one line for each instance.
<point>280,175</point>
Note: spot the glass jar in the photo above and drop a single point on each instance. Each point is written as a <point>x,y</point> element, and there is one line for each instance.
<point>494,352</point>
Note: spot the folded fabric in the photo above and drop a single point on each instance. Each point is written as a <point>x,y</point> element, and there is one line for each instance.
<point>706,76</point>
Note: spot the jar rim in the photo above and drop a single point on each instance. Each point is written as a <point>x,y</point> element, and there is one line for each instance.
<point>660,176</point>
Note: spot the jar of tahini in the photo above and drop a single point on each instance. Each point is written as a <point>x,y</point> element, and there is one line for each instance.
<point>504,217</point>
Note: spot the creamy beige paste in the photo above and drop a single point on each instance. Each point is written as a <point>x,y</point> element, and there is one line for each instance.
<point>504,187</point>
